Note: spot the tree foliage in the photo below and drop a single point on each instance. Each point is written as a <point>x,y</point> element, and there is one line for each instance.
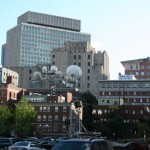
<point>24,116</point>
<point>5,120</point>
<point>88,100</point>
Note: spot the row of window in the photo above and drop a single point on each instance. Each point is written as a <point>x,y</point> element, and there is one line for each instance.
<point>49,128</point>
<point>136,67</point>
<point>79,57</point>
<point>126,85</point>
<point>51,118</point>
<point>47,109</point>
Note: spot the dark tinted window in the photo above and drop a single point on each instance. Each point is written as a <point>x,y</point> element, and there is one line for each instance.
<point>75,145</point>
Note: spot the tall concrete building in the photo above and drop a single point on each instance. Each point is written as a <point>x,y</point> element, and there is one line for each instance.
<point>140,68</point>
<point>31,41</point>
<point>94,64</point>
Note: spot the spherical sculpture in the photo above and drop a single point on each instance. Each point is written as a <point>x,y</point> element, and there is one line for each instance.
<point>37,76</point>
<point>53,69</point>
<point>44,69</point>
<point>74,71</point>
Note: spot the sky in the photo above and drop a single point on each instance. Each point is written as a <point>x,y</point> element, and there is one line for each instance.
<point>120,27</point>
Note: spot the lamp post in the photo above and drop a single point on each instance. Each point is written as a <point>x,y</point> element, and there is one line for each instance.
<point>98,112</point>
<point>144,135</point>
<point>67,123</point>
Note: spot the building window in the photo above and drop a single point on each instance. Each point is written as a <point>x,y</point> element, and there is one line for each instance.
<point>44,117</point>
<point>30,71</point>
<point>79,64</point>
<point>48,109</point>
<point>134,100</point>
<point>56,109</point>
<point>88,56</point>
<point>74,57</point>
<point>55,127</point>
<point>137,73</point>
<point>88,77</point>
<point>38,127</point>
<point>79,56</point>
<point>140,85</point>
<point>56,117</point>
<point>49,117</point>
<point>133,112</point>
<point>88,85</point>
<point>44,109</point>
<point>64,118</point>
<point>88,63</point>
<point>39,118</point>
<point>147,100</point>
<point>137,67</point>
<point>41,109</point>
<point>107,101</point>
<point>142,73</point>
<point>64,109</point>
<point>53,56</point>
<point>131,67</point>
<point>141,100</point>
<point>14,95</point>
<point>134,93</point>
<point>142,67</point>
<point>103,93</point>
<point>88,71</point>
<point>141,111</point>
<point>64,128</point>
<point>134,85</point>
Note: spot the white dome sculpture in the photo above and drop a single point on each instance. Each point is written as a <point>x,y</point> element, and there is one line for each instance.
<point>37,76</point>
<point>44,69</point>
<point>74,71</point>
<point>60,73</point>
<point>53,69</point>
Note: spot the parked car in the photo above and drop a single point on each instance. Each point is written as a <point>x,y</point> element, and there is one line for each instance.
<point>47,144</point>
<point>136,146</point>
<point>61,138</point>
<point>25,145</point>
<point>83,144</point>
<point>5,143</point>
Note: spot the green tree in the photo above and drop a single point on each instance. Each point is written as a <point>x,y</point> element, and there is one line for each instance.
<point>24,116</point>
<point>5,119</point>
<point>88,100</point>
<point>142,127</point>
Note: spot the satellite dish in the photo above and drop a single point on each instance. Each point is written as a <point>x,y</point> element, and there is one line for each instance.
<point>74,71</point>
<point>37,76</point>
<point>59,72</point>
<point>53,69</point>
<point>44,69</point>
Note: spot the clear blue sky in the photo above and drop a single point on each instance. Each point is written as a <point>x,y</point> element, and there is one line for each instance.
<point>121,27</point>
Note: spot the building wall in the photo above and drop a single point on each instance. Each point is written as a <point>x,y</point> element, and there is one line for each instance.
<point>32,40</point>
<point>51,115</point>
<point>138,67</point>
<point>94,65</point>
<point>50,20</point>
<point>9,92</point>
<point>5,72</point>
<point>133,92</point>
<point>13,44</point>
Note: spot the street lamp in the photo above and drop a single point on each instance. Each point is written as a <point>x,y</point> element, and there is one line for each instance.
<point>144,135</point>
<point>67,123</point>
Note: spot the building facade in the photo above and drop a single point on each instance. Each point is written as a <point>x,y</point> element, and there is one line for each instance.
<point>56,115</point>
<point>140,68</point>
<point>94,64</point>
<point>7,74</point>
<point>36,35</point>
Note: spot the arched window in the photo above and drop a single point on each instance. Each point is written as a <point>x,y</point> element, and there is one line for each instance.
<point>131,67</point>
